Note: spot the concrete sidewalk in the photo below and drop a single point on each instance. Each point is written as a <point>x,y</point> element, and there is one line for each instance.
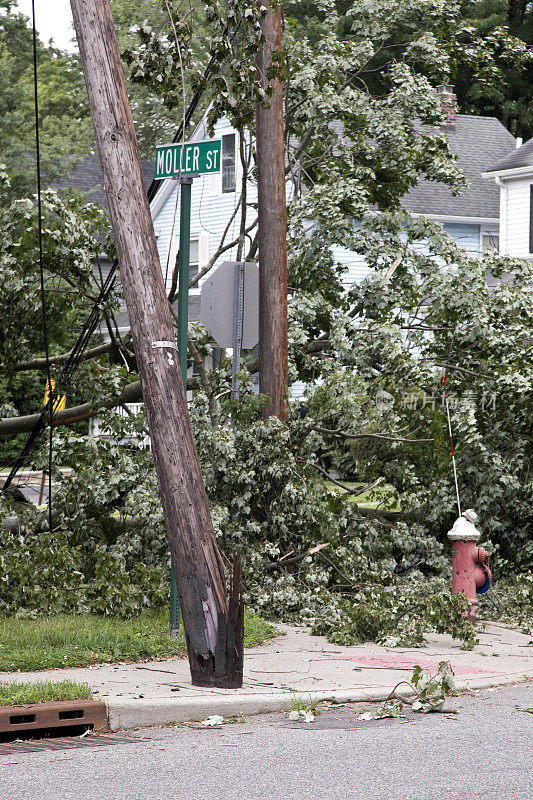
<point>159,693</point>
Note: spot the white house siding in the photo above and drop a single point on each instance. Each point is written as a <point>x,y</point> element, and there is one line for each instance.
<point>357,268</point>
<point>515,208</point>
<point>468,236</point>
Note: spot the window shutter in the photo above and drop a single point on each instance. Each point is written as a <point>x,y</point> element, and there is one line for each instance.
<point>229,162</point>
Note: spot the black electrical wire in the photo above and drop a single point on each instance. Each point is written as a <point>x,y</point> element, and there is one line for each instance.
<point>63,379</point>
<point>91,323</point>
<point>110,281</point>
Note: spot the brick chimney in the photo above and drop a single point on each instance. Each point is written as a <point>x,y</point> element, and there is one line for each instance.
<point>448,101</point>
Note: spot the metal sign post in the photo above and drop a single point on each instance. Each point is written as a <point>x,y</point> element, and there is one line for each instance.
<point>182,334</point>
<point>183,272</point>
<point>233,284</point>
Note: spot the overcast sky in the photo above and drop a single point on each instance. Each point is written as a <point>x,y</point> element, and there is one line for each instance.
<point>53,19</point>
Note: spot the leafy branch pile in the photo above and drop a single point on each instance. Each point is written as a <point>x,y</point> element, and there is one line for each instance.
<point>307,554</point>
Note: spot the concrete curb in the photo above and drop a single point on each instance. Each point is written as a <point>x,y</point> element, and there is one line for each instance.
<point>143,713</point>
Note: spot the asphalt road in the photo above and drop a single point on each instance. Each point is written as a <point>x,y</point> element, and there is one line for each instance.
<point>484,752</point>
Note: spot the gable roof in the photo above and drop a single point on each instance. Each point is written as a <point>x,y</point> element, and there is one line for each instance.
<point>87,177</point>
<point>520,157</point>
<point>476,141</point>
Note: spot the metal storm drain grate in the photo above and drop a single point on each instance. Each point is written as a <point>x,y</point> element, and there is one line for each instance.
<point>65,743</point>
<point>407,663</point>
<point>90,714</point>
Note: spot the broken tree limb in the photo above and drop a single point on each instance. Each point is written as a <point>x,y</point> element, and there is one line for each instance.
<point>390,516</point>
<point>283,562</point>
<point>214,410</point>
<point>347,489</point>
<point>40,363</point>
<point>11,425</point>
<point>131,393</point>
<point>385,436</point>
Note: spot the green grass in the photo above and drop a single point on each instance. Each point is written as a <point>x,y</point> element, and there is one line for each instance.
<point>19,694</point>
<point>257,630</point>
<point>81,640</point>
<point>297,703</point>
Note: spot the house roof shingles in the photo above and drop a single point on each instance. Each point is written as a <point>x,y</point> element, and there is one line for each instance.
<point>87,177</point>
<point>477,142</point>
<point>519,158</point>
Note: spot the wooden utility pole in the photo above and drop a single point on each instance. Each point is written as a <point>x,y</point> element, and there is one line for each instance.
<point>213,622</point>
<point>273,358</point>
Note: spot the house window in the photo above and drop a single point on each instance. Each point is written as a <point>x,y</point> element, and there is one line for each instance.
<point>531,218</point>
<point>228,163</point>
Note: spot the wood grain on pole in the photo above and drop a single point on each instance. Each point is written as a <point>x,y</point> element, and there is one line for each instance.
<point>213,623</point>
<point>273,358</point>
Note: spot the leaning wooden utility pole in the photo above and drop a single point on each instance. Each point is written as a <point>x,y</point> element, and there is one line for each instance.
<point>213,622</point>
<point>273,358</point>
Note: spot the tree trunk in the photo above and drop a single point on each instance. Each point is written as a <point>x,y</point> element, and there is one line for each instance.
<point>273,358</point>
<point>213,622</point>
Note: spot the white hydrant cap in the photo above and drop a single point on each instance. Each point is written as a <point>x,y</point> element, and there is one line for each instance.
<point>464,529</point>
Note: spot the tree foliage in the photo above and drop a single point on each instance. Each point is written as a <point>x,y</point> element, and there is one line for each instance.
<point>510,100</point>
<point>66,132</point>
<point>65,124</point>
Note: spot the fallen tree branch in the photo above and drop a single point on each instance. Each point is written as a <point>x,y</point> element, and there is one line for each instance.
<point>283,562</point>
<point>458,368</point>
<point>40,363</point>
<point>384,436</point>
<point>130,394</point>
<point>214,410</point>
<point>347,489</point>
<point>221,250</point>
<point>376,513</point>
<point>368,487</point>
<point>333,480</point>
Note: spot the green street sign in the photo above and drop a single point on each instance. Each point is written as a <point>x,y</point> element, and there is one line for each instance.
<point>172,160</point>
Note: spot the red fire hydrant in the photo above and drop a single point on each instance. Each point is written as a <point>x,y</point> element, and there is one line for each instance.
<point>471,574</point>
